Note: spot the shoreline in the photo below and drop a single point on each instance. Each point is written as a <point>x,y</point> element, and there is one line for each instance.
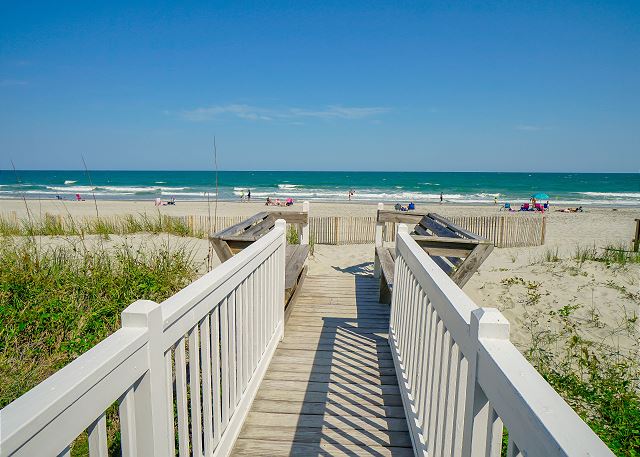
<point>391,203</point>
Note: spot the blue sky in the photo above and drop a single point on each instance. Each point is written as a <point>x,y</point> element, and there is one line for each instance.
<point>509,86</point>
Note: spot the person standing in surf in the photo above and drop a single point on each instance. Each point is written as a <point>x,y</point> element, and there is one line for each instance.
<point>441,198</point>
<point>249,195</point>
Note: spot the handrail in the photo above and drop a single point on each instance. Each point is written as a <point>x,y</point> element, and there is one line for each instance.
<point>462,380</point>
<point>209,345</point>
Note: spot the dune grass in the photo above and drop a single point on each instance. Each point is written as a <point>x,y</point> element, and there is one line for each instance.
<point>58,302</point>
<point>50,225</point>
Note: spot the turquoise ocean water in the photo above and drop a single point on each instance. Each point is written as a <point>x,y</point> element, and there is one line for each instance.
<point>619,189</point>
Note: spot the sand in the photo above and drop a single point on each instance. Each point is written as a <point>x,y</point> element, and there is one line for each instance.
<point>530,291</point>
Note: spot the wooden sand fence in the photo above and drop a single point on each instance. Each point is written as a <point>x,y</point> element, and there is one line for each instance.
<point>504,230</point>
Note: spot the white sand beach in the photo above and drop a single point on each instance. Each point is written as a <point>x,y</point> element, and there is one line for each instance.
<point>518,281</point>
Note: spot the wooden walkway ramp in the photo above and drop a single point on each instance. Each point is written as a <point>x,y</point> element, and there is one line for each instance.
<point>331,388</point>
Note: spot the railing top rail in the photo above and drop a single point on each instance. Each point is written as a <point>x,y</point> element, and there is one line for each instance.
<point>216,284</point>
<point>535,415</point>
<point>25,417</point>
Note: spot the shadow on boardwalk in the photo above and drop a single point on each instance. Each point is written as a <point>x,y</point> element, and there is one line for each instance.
<point>331,389</point>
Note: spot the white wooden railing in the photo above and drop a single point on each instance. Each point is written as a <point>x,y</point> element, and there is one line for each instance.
<point>210,344</point>
<point>461,378</point>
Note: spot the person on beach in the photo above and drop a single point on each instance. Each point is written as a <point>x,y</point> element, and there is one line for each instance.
<point>249,195</point>
<point>441,198</point>
<point>268,202</point>
<point>242,196</point>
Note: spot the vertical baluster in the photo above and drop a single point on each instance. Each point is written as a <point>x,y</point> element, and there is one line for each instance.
<point>402,301</point>
<point>450,402</point>
<point>443,393</point>
<point>239,341</point>
<point>422,354</point>
<point>207,402</point>
<point>194,391</point>
<point>460,405</point>
<point>252,325</point>
<point>126,412</point>
<point>231,347</point>
<point>224,363</point>
<point>407,353</point>
<point>512,449</point>
<point>435,384</point>
<point>494,437</point>
<point>428,368</point>
<point>98,437</point>
<point>66,452</point>
<point>171,442</point>
<point>181,397</point>
<point>415,336</point>
<point>245,333</point>
<point>215,375</point>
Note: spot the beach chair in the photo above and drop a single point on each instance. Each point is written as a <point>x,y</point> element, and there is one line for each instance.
<point>506,207</point>
<point>545,206</point>
<point>525,207</point>
<point>79,198</point>
<point>538,207</point>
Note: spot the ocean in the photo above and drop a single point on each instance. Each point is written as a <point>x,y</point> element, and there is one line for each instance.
<point>616,189</point>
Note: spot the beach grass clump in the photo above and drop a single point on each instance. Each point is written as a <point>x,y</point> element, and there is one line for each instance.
<point>58,302</point>
<point>601,385</point>
<point>292,235</point>
<point>56,225</point>
<point>611,254</point>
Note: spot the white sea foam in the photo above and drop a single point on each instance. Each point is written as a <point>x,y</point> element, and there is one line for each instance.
<point>611,194</point>
<point>288,186</point>
<point>188,194</point>
<point>69,189</point>
<point>69,181</point>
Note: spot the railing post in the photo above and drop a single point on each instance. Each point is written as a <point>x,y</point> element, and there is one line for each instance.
<point>305,226</point>
<point>379,240</point>
<point>482,429</point>
<point>151,412</point>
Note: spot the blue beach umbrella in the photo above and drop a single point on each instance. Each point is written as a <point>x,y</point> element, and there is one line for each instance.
<point>540,196</point>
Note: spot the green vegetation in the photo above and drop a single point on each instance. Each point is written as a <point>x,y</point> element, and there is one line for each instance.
<point>292,235</point>
<point>613,254</point>
<point>599,382</point>
<point>57,302</point>
<point>50,225</point>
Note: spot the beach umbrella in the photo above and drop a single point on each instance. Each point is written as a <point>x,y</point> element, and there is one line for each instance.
<point>540,196</point>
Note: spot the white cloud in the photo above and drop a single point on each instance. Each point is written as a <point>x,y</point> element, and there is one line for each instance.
<point>254,113</point>
<point>529,128</point>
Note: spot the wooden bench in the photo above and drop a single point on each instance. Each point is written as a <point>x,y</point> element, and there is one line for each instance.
<point>458,252</point>
<point>234,239</point>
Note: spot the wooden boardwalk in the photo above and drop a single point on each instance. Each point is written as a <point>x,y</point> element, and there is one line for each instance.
<point>331,388</point>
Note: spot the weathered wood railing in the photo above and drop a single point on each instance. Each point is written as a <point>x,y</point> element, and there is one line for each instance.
<point>201,353</point>
<point>461,378</point>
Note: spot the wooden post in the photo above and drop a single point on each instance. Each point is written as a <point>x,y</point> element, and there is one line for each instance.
<point>636,241</point>
<point>544,230</point>
<point>305,227</point>
<point>151,410</point>
<point>336,221</point>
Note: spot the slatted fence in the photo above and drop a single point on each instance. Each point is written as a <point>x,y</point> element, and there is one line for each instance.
<point>508,230</point>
